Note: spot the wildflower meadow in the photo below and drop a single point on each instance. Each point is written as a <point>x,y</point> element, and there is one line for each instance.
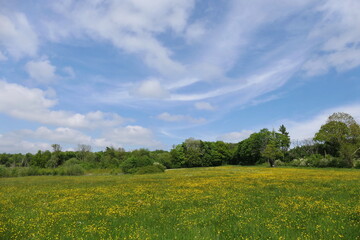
<point>230,202</point>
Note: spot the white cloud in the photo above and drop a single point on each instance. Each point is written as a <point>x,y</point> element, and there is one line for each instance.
<point>27,140</point>
<point>341,60</point>
<point>179,118</point>
<point>235,137</point>
<point>130,136</point>
<point>128,25</point>
<point>58,135</point>
<point>42,71</point>
<point>12,143</point>
<point>233,36</point>
<point>339,39</point>
<point>38,108</point>
<point>17,35</point>
<point>204,106</point>
<point>151,88</point>
<point>300,130</point>
<point>265,80</point>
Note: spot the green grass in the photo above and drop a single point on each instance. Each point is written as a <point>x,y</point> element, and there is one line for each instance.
<point>200,203</point>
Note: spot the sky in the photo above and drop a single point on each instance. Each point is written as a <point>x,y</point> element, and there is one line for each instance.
<point>150,74</point>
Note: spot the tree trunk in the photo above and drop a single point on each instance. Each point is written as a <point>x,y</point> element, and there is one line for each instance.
<point>271,162</point>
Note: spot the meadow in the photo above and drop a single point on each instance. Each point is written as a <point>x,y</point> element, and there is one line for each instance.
<point>230,202</point>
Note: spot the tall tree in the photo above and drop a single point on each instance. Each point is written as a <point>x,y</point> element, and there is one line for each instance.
<point>83,152</point>
<point>284,139</point>
<point>249,150</point>
<point>55,159</point>
<point>272,152</point>
<point>343,133</point>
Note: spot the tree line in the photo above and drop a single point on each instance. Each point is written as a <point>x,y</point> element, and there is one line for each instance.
<point>336,144</point>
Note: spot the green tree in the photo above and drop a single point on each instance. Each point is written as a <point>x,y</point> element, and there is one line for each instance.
<point>272,152</point>
<point>40,159</point>
<point>177,156</point>
<point>55,159</point>
<point>137,159</point>
<point>343,133</point>
<point>84,153</point>
<point>193,150</point>
<point>249,151</point>
<point>284,139</point>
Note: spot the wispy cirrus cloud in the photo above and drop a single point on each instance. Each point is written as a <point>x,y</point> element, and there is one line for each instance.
<point>338,39</point>
<point>128,25</point>
<point>179,118</point>
<point>195,62</point>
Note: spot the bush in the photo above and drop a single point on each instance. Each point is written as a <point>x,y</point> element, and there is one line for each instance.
<point>132,164</point>
<point>314,160</point>
<point>357,163</point>
<point>279,163</point>
<point>301,162</point>
<point>4,172</point>
<point>71,162</point>
<point>29,171</point>
<point>317,160</point>
<point>72,170</point>
<point>46,171</point>
<point>155,168</point>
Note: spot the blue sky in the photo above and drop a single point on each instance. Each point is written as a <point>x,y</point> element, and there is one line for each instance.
<point>138,73</point>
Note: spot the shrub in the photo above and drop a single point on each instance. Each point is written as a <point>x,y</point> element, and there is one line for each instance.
<point>313,160</point>
<point>279,163</point>
<point>29,171</point>
<point>46,171</point>
<point>357,163</point>
<point>155,168</point>
<point>132,164</point>
<point>338,162</point>
<point>301,162</point>
<point>71,162</point>
<point>72,170</point>
<point>317,160</point>
<point>4,172</point>
<point>116,171</point>
<point>324,162</point>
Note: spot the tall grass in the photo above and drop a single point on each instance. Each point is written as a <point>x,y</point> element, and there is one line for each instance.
<point>71,170</point>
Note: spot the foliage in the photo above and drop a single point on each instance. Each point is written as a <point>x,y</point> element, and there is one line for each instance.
<point>155,168</point>
<point>262,146</point>
<point>357,163</point>
<point>197,153</point>
<point>4,171</point>
<point>279,163</point>
<point>72,170</point>
<point>317,160</point>
<point>163,157</point>
<point>342,132</point>
<point>337,143</point>
<point>272,152</point>
<point>71,162</point>
<point>139,158</point>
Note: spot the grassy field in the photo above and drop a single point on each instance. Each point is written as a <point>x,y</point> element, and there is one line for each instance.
<point>201,203</point>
